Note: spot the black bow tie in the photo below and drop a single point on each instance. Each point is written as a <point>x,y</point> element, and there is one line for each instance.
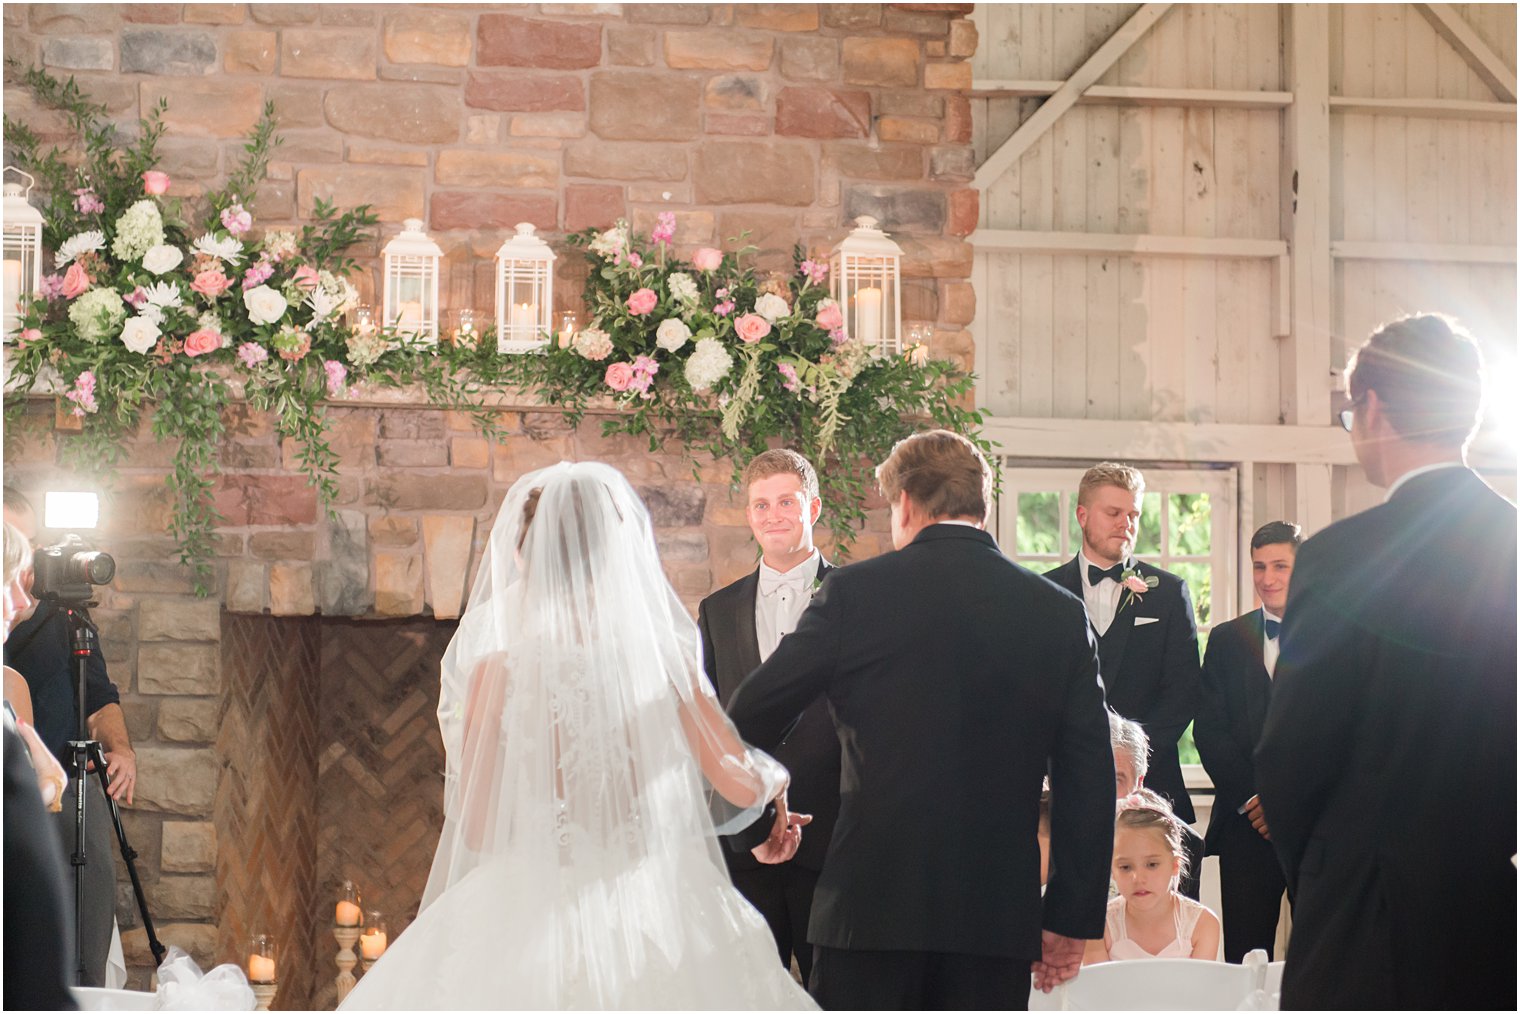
<point>1094,575</point>
<point>1272,628</point>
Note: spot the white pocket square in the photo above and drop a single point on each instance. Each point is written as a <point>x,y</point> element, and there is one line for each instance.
<point>1141,621</point>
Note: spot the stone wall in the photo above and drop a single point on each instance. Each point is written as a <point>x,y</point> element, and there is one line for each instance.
<point>737,117</point>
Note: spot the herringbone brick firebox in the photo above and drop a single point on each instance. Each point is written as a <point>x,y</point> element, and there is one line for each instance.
<point>332,770</point>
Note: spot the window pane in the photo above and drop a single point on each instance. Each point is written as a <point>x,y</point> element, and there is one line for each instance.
<point>1187,750</point>
<point>1149,542</point>
<point>1189,523</point>
<point>1200,586</point>
<point>1039,531</point>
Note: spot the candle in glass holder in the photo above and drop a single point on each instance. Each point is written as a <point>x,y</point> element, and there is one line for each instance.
<point>568,323</point>
<point>372,943</point>
<point>464,329</point>
<point>260,968</point>
<point>12,284</point>
<point>348,914</point>
<point>364,320</point>
<point>868,315</point>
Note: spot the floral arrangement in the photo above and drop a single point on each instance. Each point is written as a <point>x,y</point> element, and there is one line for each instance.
<point>154,302</point>
<point>731,363</point>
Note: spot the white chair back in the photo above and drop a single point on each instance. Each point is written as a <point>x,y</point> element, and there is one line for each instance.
<point>95,998</point>
<point>1159,984</point>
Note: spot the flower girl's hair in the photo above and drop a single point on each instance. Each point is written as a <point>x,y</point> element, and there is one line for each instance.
<point>1143,810</point>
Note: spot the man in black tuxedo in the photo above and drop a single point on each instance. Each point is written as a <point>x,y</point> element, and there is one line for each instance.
<point>956,680</point>
<point>1387,764</point>
<point>1143,619</point>
<point>741,626</point>
<point>1237,686</point>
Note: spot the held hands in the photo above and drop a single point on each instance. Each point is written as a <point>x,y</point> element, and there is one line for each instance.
<point>785,837</point>
<point>1257,818</point>
<point>1060,960</point>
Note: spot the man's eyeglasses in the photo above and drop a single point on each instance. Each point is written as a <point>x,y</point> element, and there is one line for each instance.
<point>1348,414</point>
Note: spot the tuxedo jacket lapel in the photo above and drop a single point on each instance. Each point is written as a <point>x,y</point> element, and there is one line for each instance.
<point>745,636</point>
<point>1258,688</point>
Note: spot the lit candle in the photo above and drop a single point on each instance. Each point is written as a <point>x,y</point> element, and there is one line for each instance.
<point>12,288</point>
<point>524,320</point>
<point>260,968</point>
<point>372,944</point>
<point>567,322</point>
<point>868,315</point>
<point>348,914</point>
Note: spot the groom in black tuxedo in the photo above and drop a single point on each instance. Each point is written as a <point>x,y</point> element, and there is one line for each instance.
<point>956,680</point>
<point>1147,637</point>
<point>1237,687</point>
<point>741,626</point>
<point>1387,764</point>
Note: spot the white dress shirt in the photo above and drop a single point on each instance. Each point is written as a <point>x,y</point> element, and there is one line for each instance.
<point>1271,647</point>
<point>1102,599</point>
<point>781,600</point>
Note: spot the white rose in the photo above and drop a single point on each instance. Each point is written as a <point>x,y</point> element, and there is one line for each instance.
<point>672,334</point>
<point>265,306</point>
<point>140,335</point>
<point>162,258</point>
<point>772,307</point>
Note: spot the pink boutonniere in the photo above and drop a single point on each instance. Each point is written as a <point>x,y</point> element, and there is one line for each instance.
<point>1135,586</point>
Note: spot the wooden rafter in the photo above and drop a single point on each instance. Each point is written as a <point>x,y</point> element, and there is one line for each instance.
<point>1027,241</point>
<point>1452,27</point>
<point>1066,96</point>
<point>1126,95</point>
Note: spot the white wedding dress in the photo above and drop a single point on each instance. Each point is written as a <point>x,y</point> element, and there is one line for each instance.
<point>589,771</point>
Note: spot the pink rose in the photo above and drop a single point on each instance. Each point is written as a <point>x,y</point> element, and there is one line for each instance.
<point>752,327</point>
<point>76,280</point>
<point>707,259</point>
<point>830,318</point>
<point>1136,585</point>
<point>642,301</point>
<point>198,343</point>
<point>305,278</point>
<point>619,376</point>
<point>27,336</point>
<point>211,283</point>
<point>155,182</point>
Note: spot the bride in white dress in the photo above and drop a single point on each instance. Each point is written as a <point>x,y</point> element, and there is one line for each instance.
<point>590,768</point>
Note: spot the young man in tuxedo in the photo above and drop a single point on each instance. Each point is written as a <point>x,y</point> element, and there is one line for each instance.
<point>1386,766</point>
<point>1237,686</point>
<point>741,626</point>
<point>956,679</point>
<point>1142,617</point>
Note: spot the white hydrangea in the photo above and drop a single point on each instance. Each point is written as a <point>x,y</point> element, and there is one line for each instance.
<point>365,347</point>
<point>79,243</point>
<point>139,229</point>
<point>280,244</point>
<point>340,289</point>
<point>224,248</point>
<point>707,365</point>
<point>210,321</point>
<point>97,313</point>
<point>163,294</point>
<point>772,307</point>
<point>593,344</point>
<point>682,286</point>
<point>140,335</point>
<point>672,334</point>
<point>162,258</point>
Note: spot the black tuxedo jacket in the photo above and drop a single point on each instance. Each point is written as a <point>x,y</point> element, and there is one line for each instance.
<point>1149,662</point>
<point>1231,712</point>
<point>955,677</point>
<point>1387,764</point>
<point>810,752</point>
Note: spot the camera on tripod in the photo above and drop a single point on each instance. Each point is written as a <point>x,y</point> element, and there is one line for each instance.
<point>69,571</point>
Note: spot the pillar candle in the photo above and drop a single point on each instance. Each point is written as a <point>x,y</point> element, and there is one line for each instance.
<point>348,914</point>
<point>260,968</point>
<point>372,944</point>
<point>868,315</point>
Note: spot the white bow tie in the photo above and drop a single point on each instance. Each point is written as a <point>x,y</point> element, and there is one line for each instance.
<point>772,582</point>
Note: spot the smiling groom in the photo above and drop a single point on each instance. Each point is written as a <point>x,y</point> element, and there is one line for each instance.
<point>1143,619</point>
<point>741,626</point>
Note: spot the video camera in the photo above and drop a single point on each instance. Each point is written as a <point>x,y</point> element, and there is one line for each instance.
<point>69,571</point>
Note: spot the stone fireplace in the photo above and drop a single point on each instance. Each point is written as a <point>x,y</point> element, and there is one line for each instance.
<point>284,723</point>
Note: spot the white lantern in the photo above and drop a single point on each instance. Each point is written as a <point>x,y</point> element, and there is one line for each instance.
<point>411,283</point>
<point>865,268</point>
<point>524,292</point>
<point>23,251</point>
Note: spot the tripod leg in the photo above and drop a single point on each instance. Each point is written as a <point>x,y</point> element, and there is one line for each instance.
<point>79,765</point>
<point>128,855</point>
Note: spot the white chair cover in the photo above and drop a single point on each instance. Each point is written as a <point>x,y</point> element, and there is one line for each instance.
<point>96,998</point>
<point>1161,984</point>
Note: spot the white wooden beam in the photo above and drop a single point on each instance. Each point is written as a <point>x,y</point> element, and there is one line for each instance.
<point>1124,244</point>
<point>1448,253</point>
<point>1123,95</point>
<point>1099,439</point>
<point>1452,27</point>
<point>1067,94</point>
<point>1436,109</point>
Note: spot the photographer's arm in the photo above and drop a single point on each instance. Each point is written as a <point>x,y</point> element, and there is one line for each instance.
<point>109,726</point>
